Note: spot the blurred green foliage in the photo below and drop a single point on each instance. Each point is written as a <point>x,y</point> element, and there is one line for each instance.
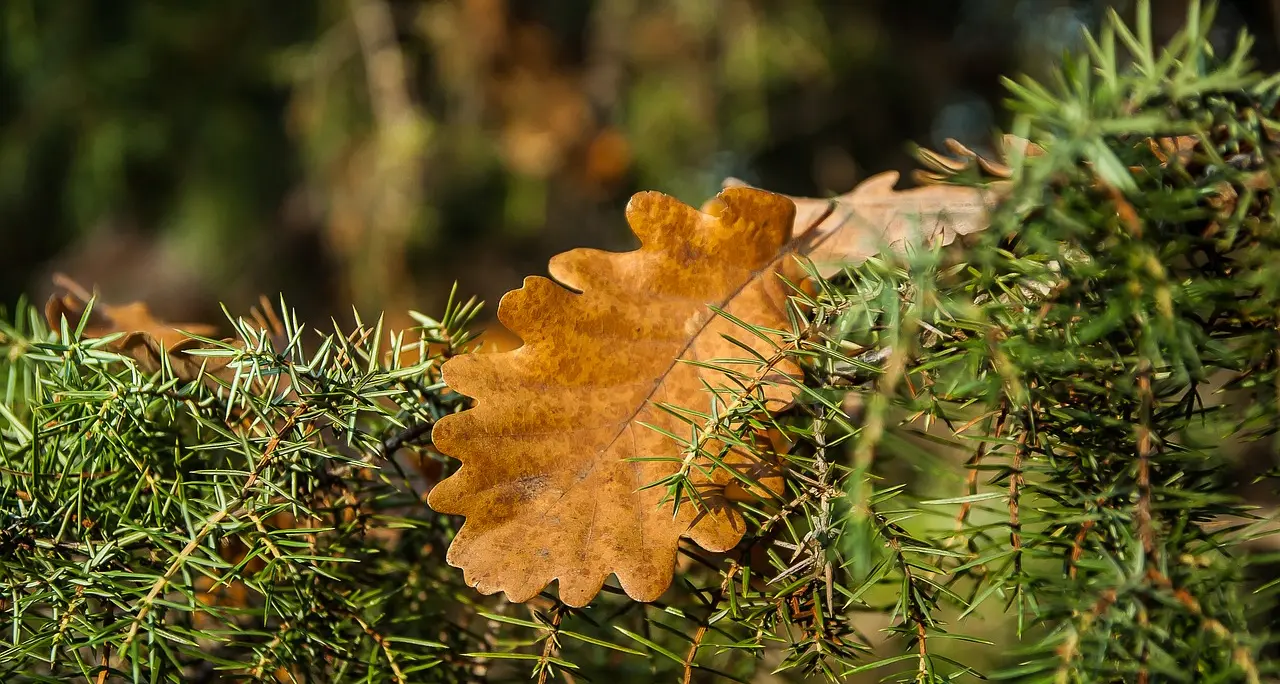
<point>371,152</point>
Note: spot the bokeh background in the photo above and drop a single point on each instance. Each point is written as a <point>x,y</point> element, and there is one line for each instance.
<point>370,153</point>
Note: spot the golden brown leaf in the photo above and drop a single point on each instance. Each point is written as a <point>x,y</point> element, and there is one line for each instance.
<point>145,340</point>
<point>1180,148</point>
<point>849,228</point>
<point>944,167</point>
<point>547,484</point>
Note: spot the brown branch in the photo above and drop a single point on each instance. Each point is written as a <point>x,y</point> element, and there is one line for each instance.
<point>381,641</point>
<point>1143,508</point>
<point>1015,484</point>
<point>705,625</point>
<point>818,535</point>
<point>913,609</point>
<point>548,649</point>
<point>971,479</point>
<point>1077,547</point>
<point>214,520</point>
<point>922,640</point>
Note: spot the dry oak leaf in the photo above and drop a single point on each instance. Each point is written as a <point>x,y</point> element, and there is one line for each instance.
<point>145,340</point>
<point>944,167</point>
<point>849,228</point>
<point>547,483</point>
